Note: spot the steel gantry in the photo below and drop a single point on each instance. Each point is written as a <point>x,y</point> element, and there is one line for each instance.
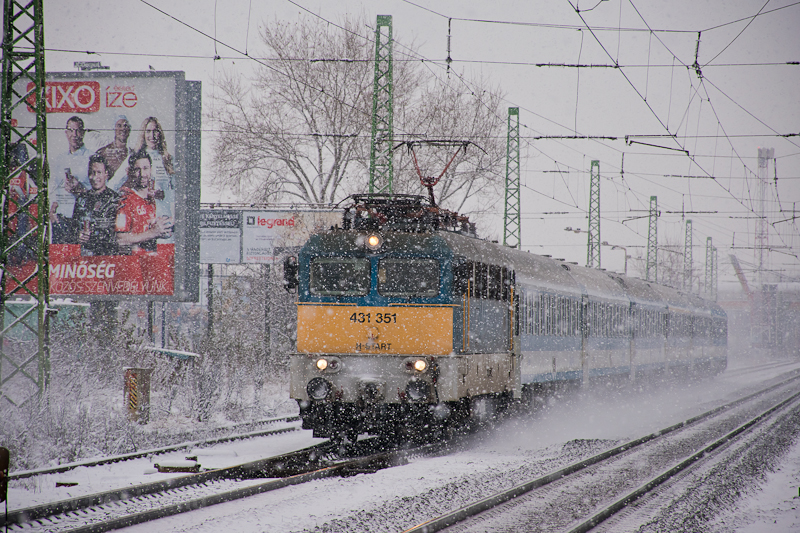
<point>651,269</point>
<point>593,248</point>
<point>512,230</point>
<point>381,168</point>
<point>24,351</point>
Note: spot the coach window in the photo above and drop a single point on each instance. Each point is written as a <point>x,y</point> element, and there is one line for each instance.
<point>462,276</point>
<point>508,282</point>
<point>495,282</point>
<point>339,277</point>
<point>481,271</point>
<point>408,277</point>
<point>573,317</point>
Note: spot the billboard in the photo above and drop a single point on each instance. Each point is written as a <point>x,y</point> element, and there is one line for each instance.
<point>251,236</point>
<point>123,150</point>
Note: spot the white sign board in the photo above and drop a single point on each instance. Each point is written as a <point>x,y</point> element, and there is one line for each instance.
<point>232,236</point>
<point>220,236</point>
<point>266,235</point>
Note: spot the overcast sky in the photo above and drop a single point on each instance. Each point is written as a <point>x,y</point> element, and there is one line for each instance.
<point>746,99</point>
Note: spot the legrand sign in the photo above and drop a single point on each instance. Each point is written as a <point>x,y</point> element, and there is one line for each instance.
<point>233,236</point>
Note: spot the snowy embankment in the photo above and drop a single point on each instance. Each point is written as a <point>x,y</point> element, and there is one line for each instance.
<point>570,427</point>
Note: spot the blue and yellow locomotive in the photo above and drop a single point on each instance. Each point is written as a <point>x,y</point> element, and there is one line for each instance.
<point>406,322</point>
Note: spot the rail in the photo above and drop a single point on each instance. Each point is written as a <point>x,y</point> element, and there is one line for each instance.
<point>316,462</point>
<point>164,449</point>
<point>459,515</point>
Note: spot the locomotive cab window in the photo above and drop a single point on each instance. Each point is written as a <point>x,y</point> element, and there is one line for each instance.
<point>339,277</point>
<point>408,277</point>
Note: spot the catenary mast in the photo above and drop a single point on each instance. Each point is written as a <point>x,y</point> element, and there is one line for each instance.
<point>512,234</point>
<point>24,365</point>
<point>381,168</point>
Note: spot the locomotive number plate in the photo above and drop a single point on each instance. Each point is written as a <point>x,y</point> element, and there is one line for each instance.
<point>377,318</point>
<point>423,330</point>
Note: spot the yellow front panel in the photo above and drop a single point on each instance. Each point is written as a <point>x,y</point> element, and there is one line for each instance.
<point>420,330</point>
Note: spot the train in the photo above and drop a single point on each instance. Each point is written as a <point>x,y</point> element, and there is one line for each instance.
<point>410,324</point>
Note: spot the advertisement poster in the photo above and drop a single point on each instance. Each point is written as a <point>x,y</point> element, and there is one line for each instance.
<point>220,236</point>
<point>124,184</point>
<point>267,235</point>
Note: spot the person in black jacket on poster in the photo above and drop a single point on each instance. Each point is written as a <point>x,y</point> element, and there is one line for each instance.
<point>96,211</point>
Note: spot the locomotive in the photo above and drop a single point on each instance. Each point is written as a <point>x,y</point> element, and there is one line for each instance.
<point>407,323</point>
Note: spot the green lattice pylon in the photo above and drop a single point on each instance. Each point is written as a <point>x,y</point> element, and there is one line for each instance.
<point>24,252</point>
<point>709,270</point>
<point>687,258</point>
<point>512,230</point>
<point>381,168</point>
<point>593,246</point>
<point>651,268</point>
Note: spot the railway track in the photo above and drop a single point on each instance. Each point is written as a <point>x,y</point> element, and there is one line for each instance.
<point>582,495</point>
<point>142,503</point>
<point>772,365</point>
<point>166,449</point>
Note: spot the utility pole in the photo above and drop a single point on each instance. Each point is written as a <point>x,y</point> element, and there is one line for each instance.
<point>714,274</point>
<point>512,234</point>
<point>687,258</point>
<point>593,248</point>
<point>24,251</point>
<point>709,273</point>
<point>651,270</point>
<point>762,227</point>
<point>381,168</point>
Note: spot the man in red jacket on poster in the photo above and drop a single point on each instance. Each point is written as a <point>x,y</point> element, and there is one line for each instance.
<point>137,225</point>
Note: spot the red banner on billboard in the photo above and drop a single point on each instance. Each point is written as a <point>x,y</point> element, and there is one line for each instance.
<point>69,97</point>
<point>144,274</point>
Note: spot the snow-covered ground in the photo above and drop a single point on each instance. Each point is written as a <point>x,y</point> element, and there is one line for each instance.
<point>569,427</point>
<point>774,507</point>
<point>42,489</point>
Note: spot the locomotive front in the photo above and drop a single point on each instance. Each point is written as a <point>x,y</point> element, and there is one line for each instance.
<point>374,329</point>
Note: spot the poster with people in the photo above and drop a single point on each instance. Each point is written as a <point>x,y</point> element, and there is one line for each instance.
<point>117,172</point>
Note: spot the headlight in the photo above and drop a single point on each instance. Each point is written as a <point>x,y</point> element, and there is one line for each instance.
<point>318,389</point>
<point>374,241</point>
<point>417,390</point>
<point>328,364</point>
<point>416,365</point>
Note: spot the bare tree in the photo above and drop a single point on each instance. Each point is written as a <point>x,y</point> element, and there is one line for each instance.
<point>300,129</point>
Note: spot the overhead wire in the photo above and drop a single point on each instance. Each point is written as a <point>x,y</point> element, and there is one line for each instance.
<point>246,54</point>
<point>740,33</point>
<point>406,60</point>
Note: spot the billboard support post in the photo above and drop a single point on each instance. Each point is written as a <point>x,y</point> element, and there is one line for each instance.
<point>210,299</point>
<point>163,324</point>
<point>151,321</point>
<point>267,304</point>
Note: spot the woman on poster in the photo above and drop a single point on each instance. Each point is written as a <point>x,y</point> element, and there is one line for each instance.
<point>152,140</point>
